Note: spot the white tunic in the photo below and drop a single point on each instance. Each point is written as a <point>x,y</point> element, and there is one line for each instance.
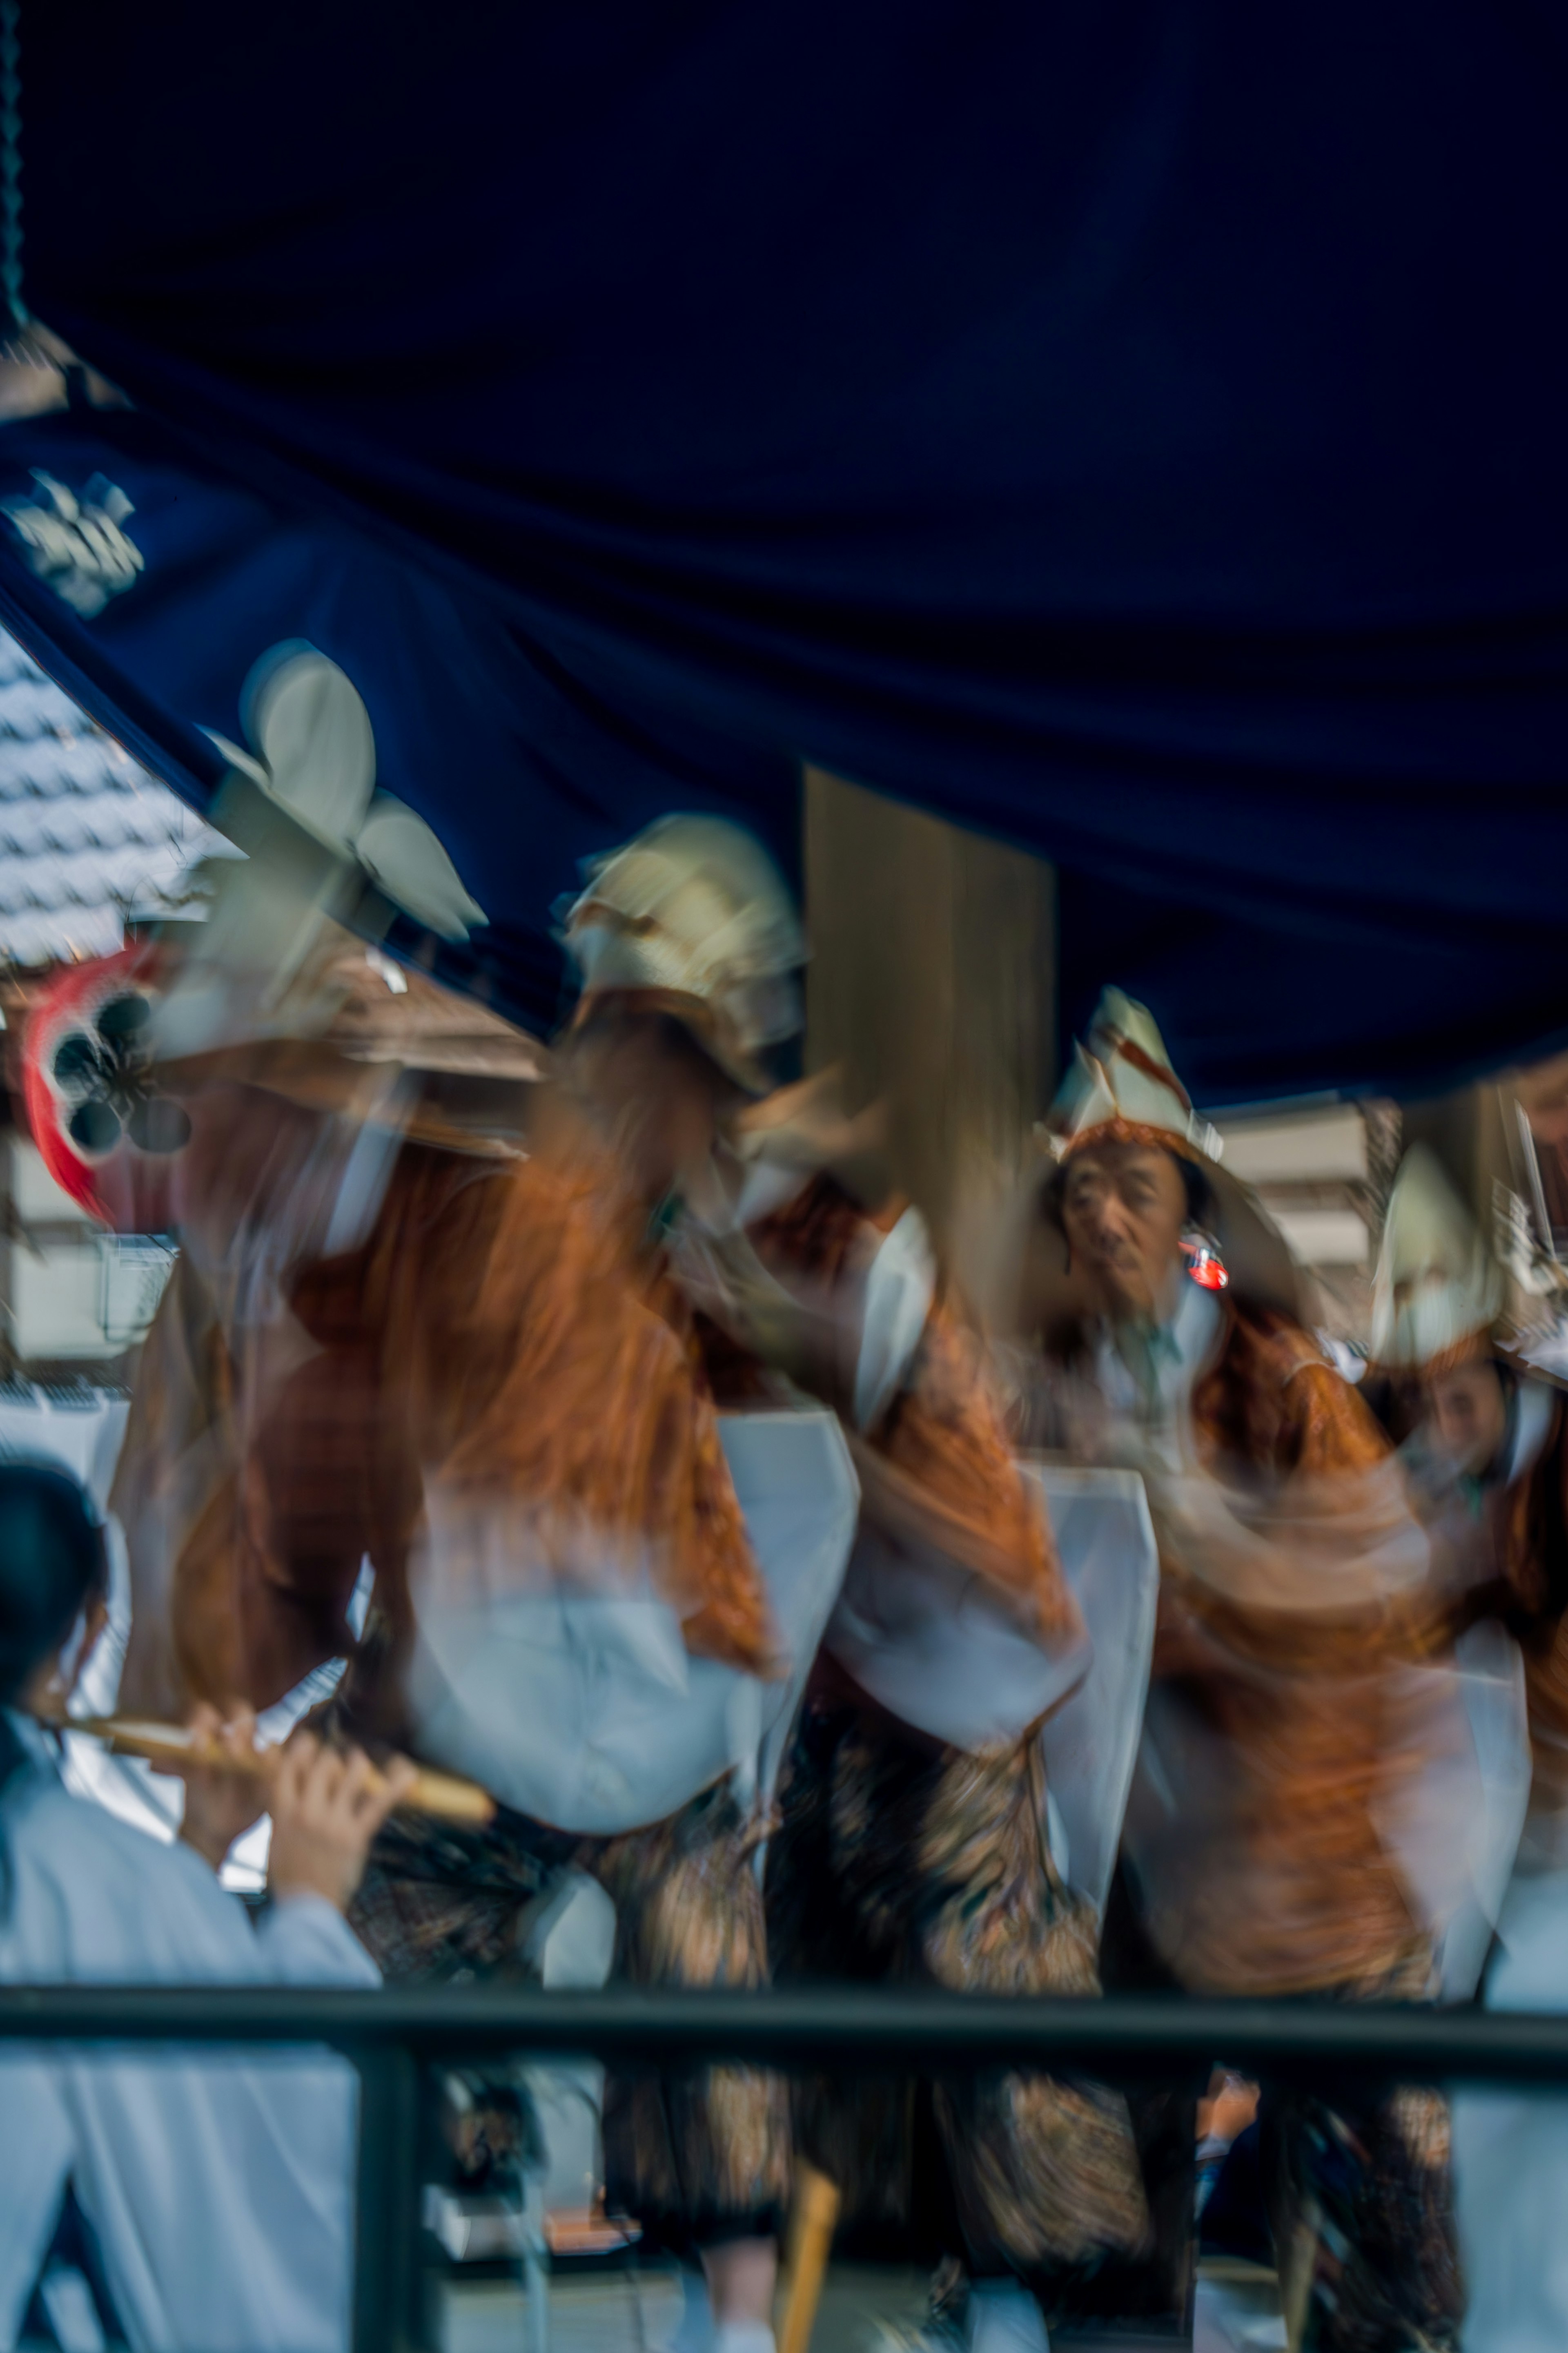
<point>220,2189</point>
<point>1511,2149</point>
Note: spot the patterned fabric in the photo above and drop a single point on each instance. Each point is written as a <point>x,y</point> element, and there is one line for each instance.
<point>902,1861</point>
<point>442,1902</point>
<point>704,2152</point>
<point>1271,1403</point>
<point>1361,2196</point>
<point>695,2155</point>
<point>1360,2193</point>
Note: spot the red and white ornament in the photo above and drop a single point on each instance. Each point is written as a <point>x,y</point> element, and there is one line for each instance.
<point>106,1131</point>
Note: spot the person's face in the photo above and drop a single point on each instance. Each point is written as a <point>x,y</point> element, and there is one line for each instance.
<point>658,1095</point>
<point>1469,1414</point>
<point>1124,1208</point>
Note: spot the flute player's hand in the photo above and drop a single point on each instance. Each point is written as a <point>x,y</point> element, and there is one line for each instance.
<point>225,1792</point>
<point>327,1807</point>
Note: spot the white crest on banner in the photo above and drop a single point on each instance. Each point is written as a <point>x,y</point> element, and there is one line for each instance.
<point>313,752</point>
<point>78,545</point>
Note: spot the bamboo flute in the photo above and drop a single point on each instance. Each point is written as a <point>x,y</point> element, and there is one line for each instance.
<point>171,1746</point>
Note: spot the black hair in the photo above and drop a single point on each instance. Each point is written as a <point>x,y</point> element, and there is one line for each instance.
<point>1199,1191</point>
<point>52,1562</point>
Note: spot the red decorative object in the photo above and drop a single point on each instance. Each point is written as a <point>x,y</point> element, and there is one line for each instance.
<point>106,1134</point>
<point>1205,1263</point>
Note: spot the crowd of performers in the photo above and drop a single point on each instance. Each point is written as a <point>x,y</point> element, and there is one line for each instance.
<point>1127,1644</point>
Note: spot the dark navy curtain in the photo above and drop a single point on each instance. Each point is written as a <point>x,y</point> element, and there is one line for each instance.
<point>1140,430</point>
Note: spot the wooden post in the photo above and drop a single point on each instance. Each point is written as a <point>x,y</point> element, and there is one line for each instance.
<point>814,2217</point>
<point>933,984</point>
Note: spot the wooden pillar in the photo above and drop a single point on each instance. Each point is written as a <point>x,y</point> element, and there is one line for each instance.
<point>932,986</point>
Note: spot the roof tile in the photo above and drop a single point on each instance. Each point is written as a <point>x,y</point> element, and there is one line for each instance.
<point>86,835</point>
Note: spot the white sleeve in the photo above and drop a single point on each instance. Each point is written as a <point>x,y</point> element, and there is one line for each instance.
<point>220,2186</point>
<point>219,2183</point>
<point>303,1940</point>
<point>37,2149</point>
<point>900,1289</point>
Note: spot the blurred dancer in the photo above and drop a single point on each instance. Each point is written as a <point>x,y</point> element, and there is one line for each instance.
<point>910,1850</point>
<point>1488,1446</point>
<point>393,1338</point>
<point>1288,1713</point>
<point>1482,1435</point>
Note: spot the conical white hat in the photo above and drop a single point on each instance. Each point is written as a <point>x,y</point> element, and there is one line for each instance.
<point>1121,1088</point>
<point>1437,1288</point>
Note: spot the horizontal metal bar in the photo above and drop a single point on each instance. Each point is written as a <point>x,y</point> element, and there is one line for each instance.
<point>1120,2037</point>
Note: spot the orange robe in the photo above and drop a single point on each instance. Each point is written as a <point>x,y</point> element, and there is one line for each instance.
<point>497,1334</point>
<point>1300,1708</point>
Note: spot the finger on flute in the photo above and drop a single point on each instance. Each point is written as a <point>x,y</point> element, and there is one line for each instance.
<point>442,1794</point>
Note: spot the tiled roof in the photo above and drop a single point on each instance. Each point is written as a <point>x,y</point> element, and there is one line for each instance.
<point>86,837</point>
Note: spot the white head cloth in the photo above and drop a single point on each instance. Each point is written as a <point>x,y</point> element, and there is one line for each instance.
<point>1436,1285</point>
<point>1121,1088</point>
<point>694,910</point>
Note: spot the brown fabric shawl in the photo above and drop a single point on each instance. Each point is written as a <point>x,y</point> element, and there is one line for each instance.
<point>496,1332</point>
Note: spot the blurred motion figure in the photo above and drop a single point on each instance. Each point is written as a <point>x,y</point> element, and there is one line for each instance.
<point>913,1843</point>
<point>396,1336</point>
<point>1486,1440</point>
<point>1289,1714</point>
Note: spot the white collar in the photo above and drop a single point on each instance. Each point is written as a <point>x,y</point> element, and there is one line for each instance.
<point>1182,1350</point>
<point>1186,1336</point>
<point>1194,1328</point>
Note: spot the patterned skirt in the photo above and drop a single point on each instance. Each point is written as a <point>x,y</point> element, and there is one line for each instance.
<point>1361,2208</point>
<point>697,2155</point>
<point>900,1861</point>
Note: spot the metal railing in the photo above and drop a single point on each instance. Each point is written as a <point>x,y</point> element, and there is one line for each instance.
<point>391,2036</point>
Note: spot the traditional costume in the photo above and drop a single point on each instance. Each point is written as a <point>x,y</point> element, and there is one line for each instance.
<point>218,2189</point>
<point>1303,1719</point>
<point>914,1843</point>
<point>393,1336</point>
<point>1437,1311</point>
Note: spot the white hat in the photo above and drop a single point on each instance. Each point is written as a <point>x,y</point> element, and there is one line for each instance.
<point>693,918</point>
<point>1122,1089</point>
<point>1436,1290</point>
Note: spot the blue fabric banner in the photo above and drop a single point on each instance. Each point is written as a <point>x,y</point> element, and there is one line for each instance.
<point>1135,428</point>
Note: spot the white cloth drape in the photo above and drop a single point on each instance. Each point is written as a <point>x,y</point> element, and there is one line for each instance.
<point>584,1709</point>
